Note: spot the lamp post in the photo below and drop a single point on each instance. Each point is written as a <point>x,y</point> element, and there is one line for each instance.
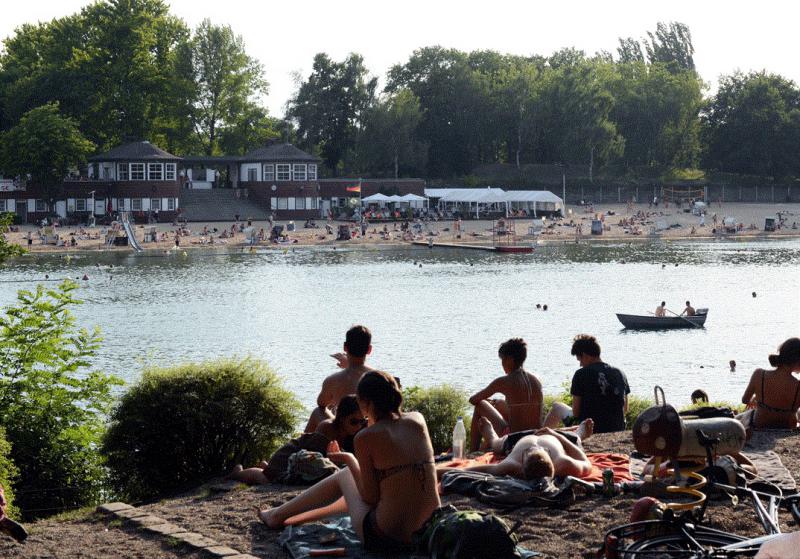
<point>563,185</point>
<point>91,214</point>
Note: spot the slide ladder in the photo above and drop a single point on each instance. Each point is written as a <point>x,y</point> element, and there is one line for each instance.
<point>126,223</point>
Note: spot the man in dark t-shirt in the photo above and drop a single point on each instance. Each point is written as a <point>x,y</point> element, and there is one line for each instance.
<point>599,391</point>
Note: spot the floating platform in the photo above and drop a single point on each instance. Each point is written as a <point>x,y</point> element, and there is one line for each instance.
<point>517,249</point>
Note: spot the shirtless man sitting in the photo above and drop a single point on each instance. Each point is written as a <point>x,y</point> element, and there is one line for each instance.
<point>689,310</point>
<point>661,309</point>
<point>522,407</point>
<point>547,453</point>
<point>338,385</point>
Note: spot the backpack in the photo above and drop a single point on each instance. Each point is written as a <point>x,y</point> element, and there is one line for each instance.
<point>278,463</point>
<point>506,491</point>
<point>306,467</point>
<point>466,534</point>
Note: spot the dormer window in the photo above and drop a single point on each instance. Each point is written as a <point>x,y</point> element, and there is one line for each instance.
<point>269,172</point>
<point>283,172</point>
<point>299,171</point>
<point>312,172</point>
<point>137,171</point>
<point>122,171</point>
<point>155,171</point>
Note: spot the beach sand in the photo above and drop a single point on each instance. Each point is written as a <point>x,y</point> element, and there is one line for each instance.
<point>679,225</point>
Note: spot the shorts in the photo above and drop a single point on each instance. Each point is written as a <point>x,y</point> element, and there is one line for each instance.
<point>376,541</point>
<point>513,439</point>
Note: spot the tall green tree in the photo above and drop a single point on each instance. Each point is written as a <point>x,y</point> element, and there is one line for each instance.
<point>45,145</point>
<point>228,83</point>
<point>329,106</point>
<point>671,44</point>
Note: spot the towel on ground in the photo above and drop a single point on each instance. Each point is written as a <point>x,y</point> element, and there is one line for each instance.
<point>619,464</point>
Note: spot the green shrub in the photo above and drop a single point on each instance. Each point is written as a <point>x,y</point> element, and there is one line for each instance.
<point>8,473</point>
<point>179,426</point>
<point>52,405</point>
<point>441,406</point>
<point>737,408</point>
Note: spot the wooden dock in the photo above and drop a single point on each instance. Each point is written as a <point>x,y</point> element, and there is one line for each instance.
<point>490,248</point>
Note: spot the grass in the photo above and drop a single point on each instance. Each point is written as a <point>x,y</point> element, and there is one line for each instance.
<point>82,513</point>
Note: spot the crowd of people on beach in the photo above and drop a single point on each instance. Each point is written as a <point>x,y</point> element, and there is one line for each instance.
<point>388,480</point>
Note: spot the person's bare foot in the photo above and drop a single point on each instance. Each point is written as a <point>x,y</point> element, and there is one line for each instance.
<point>487,432</point>
<point>267,518</point>
<point>585,429</point>
<point>236,469</point>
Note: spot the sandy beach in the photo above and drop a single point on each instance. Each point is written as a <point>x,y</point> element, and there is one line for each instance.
<point>621,222</point>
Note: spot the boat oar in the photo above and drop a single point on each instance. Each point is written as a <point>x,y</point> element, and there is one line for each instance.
<point>686,319</point>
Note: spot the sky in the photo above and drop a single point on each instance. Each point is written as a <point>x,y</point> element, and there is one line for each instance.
<point>284,36</point>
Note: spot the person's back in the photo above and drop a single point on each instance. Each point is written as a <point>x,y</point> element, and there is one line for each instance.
<point>523,393</point>
<point>661,310</point>
<point>599,391</point>
<point>776,394</point>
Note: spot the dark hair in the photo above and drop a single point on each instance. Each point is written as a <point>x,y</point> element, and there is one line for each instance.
<point>788,353</point>
<point>348,405</point>
<point>381,390</point>
<point>584,344</point>
<point>699,395</point>
<point>687,303</point>
<point>516,349</point>
<point>357,340</point>
<point>663,303</point>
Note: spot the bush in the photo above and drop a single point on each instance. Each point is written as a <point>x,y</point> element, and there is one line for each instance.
<point>441,406</point>
<point>8,473</point>
<point>179,426</point>
<point>52,406</point>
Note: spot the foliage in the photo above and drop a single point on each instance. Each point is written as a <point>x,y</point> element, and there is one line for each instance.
<point>44,145</point>
<point>441,406</point>
<point>53,406</point>
<point>737,407</point>
<point>684,175</point>
<point>8,474</point>
<point>329,105</point>
<point>636,404</point>
<point>182,425</point>
<point>7,250</point>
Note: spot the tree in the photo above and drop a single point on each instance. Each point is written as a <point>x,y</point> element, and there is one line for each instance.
<point>44,145</point>
<point>671,44</point>
<point>53,406</point>
<point>329,106</point>
<point>228,81</point>
<point>629,51</point>
<point>7,250</point>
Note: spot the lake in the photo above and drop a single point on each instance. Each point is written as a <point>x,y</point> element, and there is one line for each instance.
<point>438,316</point>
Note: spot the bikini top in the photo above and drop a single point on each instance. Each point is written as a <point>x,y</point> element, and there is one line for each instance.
<point>528,389</point>
<point>417,468</point>
<point>767,407</point>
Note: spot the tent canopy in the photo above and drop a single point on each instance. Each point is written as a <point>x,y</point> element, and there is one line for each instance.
<point>475,195</point>
<point>377,198</point>
<point>412,198</point>
<point>532,196</point>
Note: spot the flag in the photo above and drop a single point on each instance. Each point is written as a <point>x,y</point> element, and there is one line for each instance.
<point>354,188</point>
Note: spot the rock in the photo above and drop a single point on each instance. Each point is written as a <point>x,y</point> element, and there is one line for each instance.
<point>130,513</point>
<point>194,539</point>
<point>148,520</point>
<point>110,508</point>
<point>164,529</point>
<point>221,551</point>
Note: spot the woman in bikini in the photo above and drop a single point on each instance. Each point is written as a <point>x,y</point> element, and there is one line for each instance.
<point>389,485</point>
<point>775,395</point>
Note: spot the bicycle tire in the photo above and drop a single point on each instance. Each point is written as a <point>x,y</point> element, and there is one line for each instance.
<point>678,546</point>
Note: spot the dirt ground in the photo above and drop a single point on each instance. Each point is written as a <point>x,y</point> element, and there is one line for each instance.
<point>228,517</point>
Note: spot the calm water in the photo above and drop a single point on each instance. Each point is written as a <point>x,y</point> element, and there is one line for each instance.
<point>441,322</point>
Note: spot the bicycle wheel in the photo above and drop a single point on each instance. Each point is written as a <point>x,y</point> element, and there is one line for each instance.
<point>678,546</point>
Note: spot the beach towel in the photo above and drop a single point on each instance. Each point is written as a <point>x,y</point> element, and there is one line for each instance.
<point>339,533</point>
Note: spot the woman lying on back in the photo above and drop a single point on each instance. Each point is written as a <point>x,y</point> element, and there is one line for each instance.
<point>389,485</point>
<point>775,395</point>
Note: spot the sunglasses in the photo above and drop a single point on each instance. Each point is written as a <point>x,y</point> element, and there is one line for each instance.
<point>356,421</point>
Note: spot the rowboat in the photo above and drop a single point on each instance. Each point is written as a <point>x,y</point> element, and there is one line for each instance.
<point>639,322</point>
<point>515,249</point>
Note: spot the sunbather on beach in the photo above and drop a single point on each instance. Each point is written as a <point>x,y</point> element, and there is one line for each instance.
<point>357,345</point>
<point>545,453</point>
<point>342,430</point>
<point>522,407</point>
<point>774,396</point>
<point>389,485</point>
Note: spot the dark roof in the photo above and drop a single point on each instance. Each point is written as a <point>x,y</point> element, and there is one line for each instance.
<point>210,159</point>
<point>279,152</point>
<point>135,151</point>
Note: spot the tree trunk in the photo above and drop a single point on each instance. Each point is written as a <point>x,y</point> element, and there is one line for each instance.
<point>591,163</point>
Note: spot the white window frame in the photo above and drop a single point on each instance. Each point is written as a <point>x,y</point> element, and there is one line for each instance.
<point>170,171</point>
<point>123,172</point>
<point>300,203</point>
<point>134,203</point>
<point>283,203</point>
<point>3,204</point>
<point>312,172</point>
<point>140,170</point>
<point>40,205</point>
<point>155,204</point>
<point>269,172</point>
<point>299,172</point>
<point>78,202</point>
<point>283,172</point>
<point>252,174</point>
<point>155,171</point>
<point>170,204</point>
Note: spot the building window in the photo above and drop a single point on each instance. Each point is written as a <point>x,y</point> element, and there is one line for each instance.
<point>155,171</point>
<point>299,172</point>
<point>283,172</point>
<point>269,172</point>
<point>171,204</point>
<point>137,171</point>
<point>283,203</point>
<point>170,172</point>
<point>155,204</point>
<point>122,171</point>
<point>41,206</point>
<point>80,205</point>
<point>300,204</point>
<point>2,205</point>
<point>252,174</point>
<point>312,203</point>
<point>136,204</point>
<point>312,172</point>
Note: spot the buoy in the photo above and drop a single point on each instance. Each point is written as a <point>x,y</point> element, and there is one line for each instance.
<point>544,307</point>
<point>184,254</point>
<point>85,277</point>
<point>754,294</point>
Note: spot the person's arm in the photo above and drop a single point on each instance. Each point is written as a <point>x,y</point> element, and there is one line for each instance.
<point>325,397</point>
<point>485,393</point>
<point>750,392</point>
<point>364,472</point>
<point>576,406</point>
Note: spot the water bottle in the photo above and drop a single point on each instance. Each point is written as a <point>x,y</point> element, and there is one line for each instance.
<point>459,439</point>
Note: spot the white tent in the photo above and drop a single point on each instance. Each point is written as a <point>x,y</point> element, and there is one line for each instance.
<point>536,200</point>
<point>456,197</point>
<point>413,198</point>
<point>377,198</point>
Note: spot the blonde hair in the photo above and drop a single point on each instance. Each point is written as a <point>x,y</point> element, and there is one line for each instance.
<point>537,464</point>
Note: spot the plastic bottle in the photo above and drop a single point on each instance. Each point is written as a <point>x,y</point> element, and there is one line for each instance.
<point>459,439</point>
